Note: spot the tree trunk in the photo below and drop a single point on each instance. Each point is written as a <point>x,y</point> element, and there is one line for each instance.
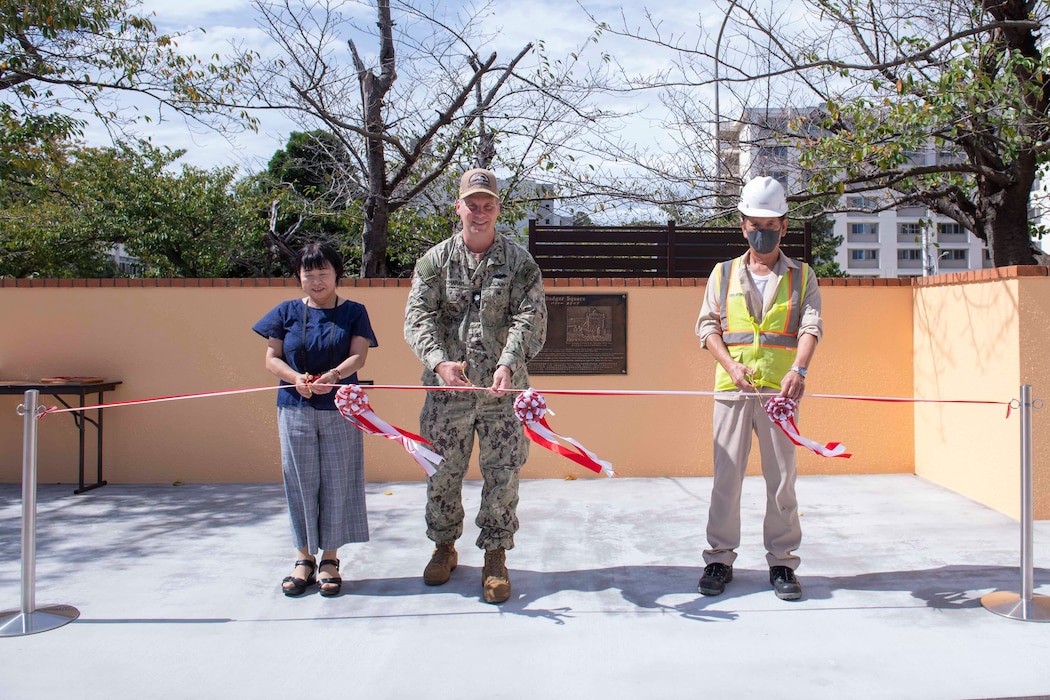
<point>374,237</point>
<point>377,202</point>
<point>1004,215</point>
<point>373,91</point>
<point>1007,215</point>
<point>1006,230</point>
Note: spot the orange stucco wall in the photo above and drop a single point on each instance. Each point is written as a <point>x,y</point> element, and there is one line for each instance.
<point>982,340</point>
<point>167,337</point>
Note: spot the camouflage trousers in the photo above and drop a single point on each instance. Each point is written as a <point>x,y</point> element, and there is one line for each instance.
<point>450,421</point>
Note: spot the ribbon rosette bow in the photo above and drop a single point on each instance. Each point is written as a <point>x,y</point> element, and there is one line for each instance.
<point>352,402</point>
<point>530,408</point>
<point>781,410</point>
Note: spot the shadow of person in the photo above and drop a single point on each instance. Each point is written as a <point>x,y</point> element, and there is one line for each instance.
<point>649,588</point>
<point>661,589</point>
<point>950,587</point>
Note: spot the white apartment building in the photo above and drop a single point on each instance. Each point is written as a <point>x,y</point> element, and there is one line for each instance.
<point>126,264</point>
<point>897,242</point>
<point>892,243</point>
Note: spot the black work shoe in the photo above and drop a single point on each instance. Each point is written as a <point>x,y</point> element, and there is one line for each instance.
<point>785,585</point>
<point>715,578</point>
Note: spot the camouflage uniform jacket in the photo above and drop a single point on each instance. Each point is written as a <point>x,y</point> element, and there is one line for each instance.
<point>486,313</point>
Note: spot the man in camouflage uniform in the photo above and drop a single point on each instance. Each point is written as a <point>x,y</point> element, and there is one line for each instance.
<point>475,316</point>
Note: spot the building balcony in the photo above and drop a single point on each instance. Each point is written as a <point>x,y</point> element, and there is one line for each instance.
<point>863,264</point>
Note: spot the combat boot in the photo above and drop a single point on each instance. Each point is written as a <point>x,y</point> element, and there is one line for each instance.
<point>495,580</point>
<point>442,562</point>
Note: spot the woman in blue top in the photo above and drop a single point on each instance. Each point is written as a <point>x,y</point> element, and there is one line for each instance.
<point>318,340</point>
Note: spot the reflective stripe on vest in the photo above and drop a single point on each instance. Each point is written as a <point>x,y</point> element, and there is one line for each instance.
<point>768,347</point>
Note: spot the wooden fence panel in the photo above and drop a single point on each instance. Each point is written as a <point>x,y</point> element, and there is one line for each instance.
<point>645,251</point>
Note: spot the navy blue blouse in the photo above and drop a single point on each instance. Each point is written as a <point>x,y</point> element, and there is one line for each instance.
<point>315,341</point>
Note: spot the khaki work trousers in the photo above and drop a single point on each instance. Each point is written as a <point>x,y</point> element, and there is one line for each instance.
<point>734,423</point>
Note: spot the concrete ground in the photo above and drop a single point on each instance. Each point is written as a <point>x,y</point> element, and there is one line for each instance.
<point>178,593</point>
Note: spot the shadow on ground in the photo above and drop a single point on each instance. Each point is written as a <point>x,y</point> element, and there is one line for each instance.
<point>645,588</point>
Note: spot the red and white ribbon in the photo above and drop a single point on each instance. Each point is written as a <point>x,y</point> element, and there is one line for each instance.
<point>781,410</point>
<point>352,402</point>
<point>530,408</point>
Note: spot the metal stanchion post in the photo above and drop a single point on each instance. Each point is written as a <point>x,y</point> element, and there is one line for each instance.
<point>31,619</point>
<point>1026,605</point>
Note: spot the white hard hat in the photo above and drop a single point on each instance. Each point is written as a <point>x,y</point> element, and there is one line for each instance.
<point>763,197</point>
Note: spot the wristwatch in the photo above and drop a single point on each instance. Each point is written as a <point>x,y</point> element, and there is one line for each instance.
<point>800,370</point>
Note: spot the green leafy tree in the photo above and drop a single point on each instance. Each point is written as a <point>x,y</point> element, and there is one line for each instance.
<point>954,114</point>
<point>317,166</point>
<point>824,244</point>
<point>311,185</point>
<point>64,60</point>
<point>43,237</point>
<point>184,222</point>
<point>939,103</point>
<point>181,222</point>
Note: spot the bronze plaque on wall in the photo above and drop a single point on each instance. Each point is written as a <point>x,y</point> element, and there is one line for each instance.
<point>586,334</point>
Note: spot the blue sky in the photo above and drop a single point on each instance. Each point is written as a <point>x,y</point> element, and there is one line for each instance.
<point>562,25</point>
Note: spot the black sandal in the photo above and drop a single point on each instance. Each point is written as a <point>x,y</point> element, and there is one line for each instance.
<point>298,586</point>
<point>333,584</point>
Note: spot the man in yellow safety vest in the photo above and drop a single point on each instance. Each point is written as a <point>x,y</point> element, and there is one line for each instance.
<point>760,320</point>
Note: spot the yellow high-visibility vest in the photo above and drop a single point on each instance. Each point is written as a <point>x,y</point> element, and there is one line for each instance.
<point>768,347</point>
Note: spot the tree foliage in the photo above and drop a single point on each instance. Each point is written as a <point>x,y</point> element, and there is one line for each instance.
<point>414,100</point>
<point>177,223</point>
<point>942,103</point>
<point>955,115</point>
<point>824,244</point>
<point>62,61</point>
<point>308,185</point>
<point>306,182</point>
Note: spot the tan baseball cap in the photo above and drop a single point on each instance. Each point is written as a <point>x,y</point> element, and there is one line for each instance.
<point>478,180</point>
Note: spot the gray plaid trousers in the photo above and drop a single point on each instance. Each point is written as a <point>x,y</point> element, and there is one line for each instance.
<point>322,458</point>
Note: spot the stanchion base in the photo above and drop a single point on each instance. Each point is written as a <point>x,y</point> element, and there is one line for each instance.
<point>15,623</point>
<point>1016,608</point>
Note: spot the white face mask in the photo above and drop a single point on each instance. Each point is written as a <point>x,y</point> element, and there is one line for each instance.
<point>763,240</point>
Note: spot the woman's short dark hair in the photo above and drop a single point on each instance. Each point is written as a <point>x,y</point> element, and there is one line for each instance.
<point>321,254</point>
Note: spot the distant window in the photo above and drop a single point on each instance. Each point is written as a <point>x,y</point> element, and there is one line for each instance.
<point>909,230</point>
<point>774,152</point>
<point>780,176</point>
<point>866,203</point>
<point>909,254</point>
<point>950,229</point>
<point>953,254</point>
<point>863,229</point>
<point>864,254</point>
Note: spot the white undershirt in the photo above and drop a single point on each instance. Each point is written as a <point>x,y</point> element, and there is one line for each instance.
<point>760,282</point>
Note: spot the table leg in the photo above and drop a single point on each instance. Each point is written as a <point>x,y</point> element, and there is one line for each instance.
<point>98,432</point>
<point>97,422</point>
<point>81,428</point>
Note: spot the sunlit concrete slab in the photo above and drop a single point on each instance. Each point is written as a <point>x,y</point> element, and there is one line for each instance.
<point>178,593</point>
